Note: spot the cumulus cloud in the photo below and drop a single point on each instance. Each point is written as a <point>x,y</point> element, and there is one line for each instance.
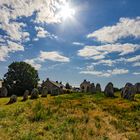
<point>99,52</point>
<point>78,43</point>
<point>106,62</point>
<point>134,59</point>
<point>137,64</point>
<point>43,56</point>
<point>33,63</point>
<point>136,73</point>
<point>107,73</point>
<point>10,47</point>
<point>124,28</point>
<point>53,56</point>
<point>41,33</point>
<point>11,11</point>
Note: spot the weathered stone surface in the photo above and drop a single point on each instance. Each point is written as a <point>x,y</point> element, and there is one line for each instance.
<point>128,92</point>
<point>3,92</point>
<point>13,99</point>
<point>85,86</point>
<point>137,86</point>
<point>25,95</point>
<point>98,88</point>
<point>109,90</point>
<point>92,88</point>
<point>44,92</point>
<point>34,93</point>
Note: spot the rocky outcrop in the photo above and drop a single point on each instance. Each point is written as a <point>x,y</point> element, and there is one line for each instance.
<point>109,90</point>
<point>25,95</point>
<point>128,92</point>
<point>3,92</point>
<point>137,87</point>
<point>98,88</point>
<point>92,88</point>
<point>34,93</point>
<point>13,99</point>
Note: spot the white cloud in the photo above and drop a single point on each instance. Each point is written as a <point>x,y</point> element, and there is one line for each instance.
<point>118,71</point>
<point>10,47</point>
<point>89,51</point>
<point>106,62</point>
<point>136,73</point>
<point>134,59</point>
<point>107,73</point>
<point>53,56</point>
<point>33,63</point>
<point>124,28</point>
<point>12,10</point>
<point>78,43</point>
<point>99,52</point>
<point>98,57</point>
<point>137,64</point>
<point>41,33</point>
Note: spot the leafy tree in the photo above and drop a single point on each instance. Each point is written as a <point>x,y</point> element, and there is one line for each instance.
<point>20,77</point>
<point>116,89</point>
<point>68,86</point>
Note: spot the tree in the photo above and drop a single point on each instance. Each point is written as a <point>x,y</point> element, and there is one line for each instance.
<point>68,86</point>
<point>20,77</point>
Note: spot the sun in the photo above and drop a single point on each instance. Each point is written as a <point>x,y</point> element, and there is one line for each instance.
<point>66,12</point>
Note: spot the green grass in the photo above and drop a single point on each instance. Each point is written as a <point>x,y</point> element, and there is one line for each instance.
<point>75,116</point>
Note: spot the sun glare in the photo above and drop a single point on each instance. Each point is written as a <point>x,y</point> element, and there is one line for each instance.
<point>66,12</point>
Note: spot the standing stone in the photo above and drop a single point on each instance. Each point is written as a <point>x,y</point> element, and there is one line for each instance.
<point>128,92</point>
<point>137,86</point>
<point>25,95</point>
<point>92,88</point>
<point>34,93</point>
<point>3,92</point>
<point>98,88</point>
<point>44,92</point>
<point>109,90</point>
<point>13,99</point>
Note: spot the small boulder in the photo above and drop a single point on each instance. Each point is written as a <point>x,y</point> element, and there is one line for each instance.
<point>34,93</point>
<point>109,90</point>
<point>92,88</point>
<point>98,88</point>
<point>25,95</point>
<point>44,92</point>
<point>3,92</point>
<point>137,86</point>
<point>13,99</point>
<point>128,92</point>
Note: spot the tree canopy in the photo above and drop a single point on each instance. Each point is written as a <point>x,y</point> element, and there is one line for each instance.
<point>20,77</point>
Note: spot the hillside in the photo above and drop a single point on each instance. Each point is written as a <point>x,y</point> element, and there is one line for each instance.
<point>71,117</point>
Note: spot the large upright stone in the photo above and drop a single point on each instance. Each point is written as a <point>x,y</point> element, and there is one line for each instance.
<point>109,90</point>
<point>137,87</point>
<point>13,99</point>
<point>3,92</point>
<point>128,92</point>
<point>34,93</point>
<point>92,88</point>
<point>25,95</point>
<point>44,92</point>
<point>98,88</point>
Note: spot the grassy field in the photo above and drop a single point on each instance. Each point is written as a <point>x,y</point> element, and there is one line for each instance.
<point>75,116</point>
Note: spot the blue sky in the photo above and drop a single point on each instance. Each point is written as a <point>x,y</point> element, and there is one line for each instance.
<point>97,40</point>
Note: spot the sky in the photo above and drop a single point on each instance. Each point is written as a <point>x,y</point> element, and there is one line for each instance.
<point>73,40</point>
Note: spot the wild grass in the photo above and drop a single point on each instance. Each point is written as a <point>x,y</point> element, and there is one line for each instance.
<point>76,116</point>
